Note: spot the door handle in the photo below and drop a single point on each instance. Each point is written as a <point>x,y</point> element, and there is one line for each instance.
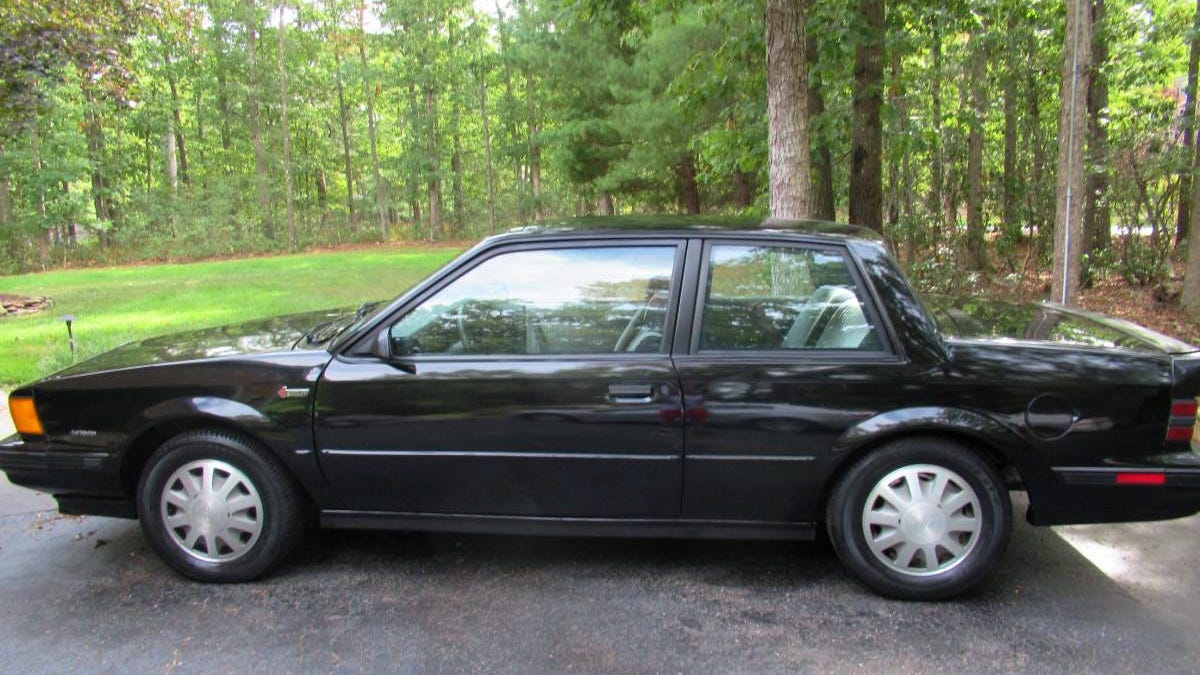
<point>631,393</point>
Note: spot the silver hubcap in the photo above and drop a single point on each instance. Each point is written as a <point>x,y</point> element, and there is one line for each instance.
<point>212,510</point>
<point>922,519</point>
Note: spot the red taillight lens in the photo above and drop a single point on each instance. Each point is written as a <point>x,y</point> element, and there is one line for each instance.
<point>1182,423</point>
<point>1141,479</point>
<point>1179,433</point>
<point>1183,409</point>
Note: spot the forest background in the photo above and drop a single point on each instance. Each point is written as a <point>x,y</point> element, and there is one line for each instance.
<point>1032,148</point>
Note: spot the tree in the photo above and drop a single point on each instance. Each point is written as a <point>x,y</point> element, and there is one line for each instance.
<point>976,242</point>
<point>787,110</point>
<point>866,153</point>
<point>822,155</point>
<point>1186,177</point>
<point>1097,217</point>
<point>1191,281</point>
<point>1069,244</point>
<point>285,131</point>
<point>370,97</point>
<point>251,21</point>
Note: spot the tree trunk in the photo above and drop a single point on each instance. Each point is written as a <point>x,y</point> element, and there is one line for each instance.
<point>1183,215</point>
<point>866,152</point>
<point>897,170</point>
<point>433,179</point>
<point>743,189</point>
<point>822,157</point>
<point>1013,62</point>
<point>95,144</point>
<point>286,131</point>
<point>787,111</point>
<point>222,85</point>
<point>261,185</point>
<point>456,168</point>
<point>1072,170</point>
<point>606,204</point>
<point>487,154</point>
<point>937,171</point>
<point>147,160</point>
<point>344,123</point>
<point>1097,217</point>
<point>370,94</point>
<point>322,185</point>
<point>509,114</point>
<point>171,167</point>
<point>414,175</point>
<point>976,237</point>
<point>1191,280</point>
<point>177,123</point>
<point>689,192</point>
<point>1038,210</point>
<point>35,156</point>
<point>535,149</point>
<point>6,203</point>
<point>198,111</point>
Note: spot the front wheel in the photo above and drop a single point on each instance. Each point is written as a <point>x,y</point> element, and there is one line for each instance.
<point>217,507</point>
<point>920,519</point>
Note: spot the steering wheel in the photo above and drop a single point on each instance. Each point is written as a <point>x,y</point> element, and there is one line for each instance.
<point>645,336</point>
<point>462,331</point>
<point>631,329</point>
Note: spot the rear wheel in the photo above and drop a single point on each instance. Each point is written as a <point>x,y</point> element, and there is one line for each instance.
<point>920,519</point>
<point>217,507</point>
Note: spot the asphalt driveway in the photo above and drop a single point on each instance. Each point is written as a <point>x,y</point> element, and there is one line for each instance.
<point>86,594</point>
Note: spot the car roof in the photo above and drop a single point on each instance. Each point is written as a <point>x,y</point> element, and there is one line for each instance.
<point>613,226</point>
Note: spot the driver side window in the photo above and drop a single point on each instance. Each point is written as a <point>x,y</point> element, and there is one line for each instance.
<point>592,300</point>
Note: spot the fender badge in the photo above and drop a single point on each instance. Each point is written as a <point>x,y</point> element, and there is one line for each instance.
<point>292,392</point>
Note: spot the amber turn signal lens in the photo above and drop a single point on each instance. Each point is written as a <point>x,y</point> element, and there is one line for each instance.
<point>25,415</point>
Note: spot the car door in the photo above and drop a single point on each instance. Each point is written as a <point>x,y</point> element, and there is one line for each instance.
<point>786,351</point>
<point>535,381</point>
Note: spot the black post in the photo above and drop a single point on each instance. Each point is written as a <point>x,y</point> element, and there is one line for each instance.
<point>70,335</point>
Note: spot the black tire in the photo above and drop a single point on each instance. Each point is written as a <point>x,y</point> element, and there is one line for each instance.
<point>280,518</point>
<point>848,530</point>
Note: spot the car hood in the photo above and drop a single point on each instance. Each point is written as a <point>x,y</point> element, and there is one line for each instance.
<point>974,319</point>
<point>281,333</point>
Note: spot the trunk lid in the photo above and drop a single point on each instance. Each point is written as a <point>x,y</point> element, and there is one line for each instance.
<point>975,319</point>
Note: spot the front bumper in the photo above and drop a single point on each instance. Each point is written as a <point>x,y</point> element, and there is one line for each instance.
<point>83,482</point>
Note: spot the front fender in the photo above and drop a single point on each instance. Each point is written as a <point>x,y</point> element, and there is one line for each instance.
<point>223,410</point>
<point>293,447</point>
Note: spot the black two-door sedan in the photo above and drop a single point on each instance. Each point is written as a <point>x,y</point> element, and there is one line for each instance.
<point>657,377</point>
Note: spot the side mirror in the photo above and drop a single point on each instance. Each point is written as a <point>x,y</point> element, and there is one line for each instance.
<point>382,348</point>
<point>387,350</point>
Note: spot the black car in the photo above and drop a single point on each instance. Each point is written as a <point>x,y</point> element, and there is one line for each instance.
<point>660,378</point>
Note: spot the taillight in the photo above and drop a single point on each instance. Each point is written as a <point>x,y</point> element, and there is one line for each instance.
<point>1182,425</point>
<point>24,415</point>
<point>1141,478</point>
<point>1184,409</point>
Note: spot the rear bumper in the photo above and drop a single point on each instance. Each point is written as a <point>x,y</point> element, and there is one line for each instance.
<point>1095,495</point>
<point>83,482</point>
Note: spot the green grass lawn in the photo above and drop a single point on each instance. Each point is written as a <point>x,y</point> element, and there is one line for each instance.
<point>115,305</point>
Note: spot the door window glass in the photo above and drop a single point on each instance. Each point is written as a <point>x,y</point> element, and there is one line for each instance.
<point>771,298</point>
<point>553,301</point>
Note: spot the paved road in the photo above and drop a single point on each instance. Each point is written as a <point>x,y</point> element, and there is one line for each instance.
<point>86,594</point>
